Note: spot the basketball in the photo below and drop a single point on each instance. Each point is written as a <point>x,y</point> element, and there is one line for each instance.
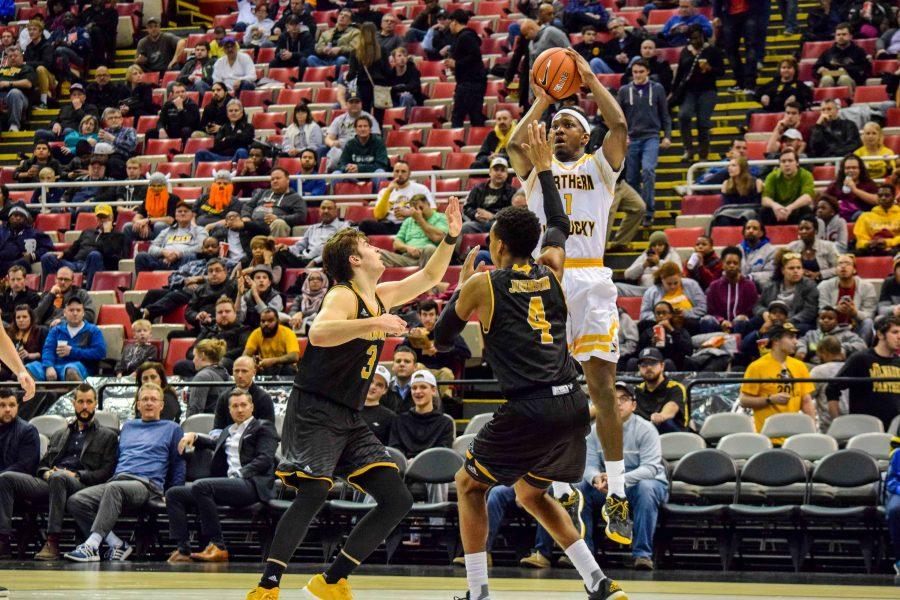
<point>555,71</point>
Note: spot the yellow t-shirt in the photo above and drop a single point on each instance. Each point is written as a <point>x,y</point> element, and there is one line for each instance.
<point>215,50</point>
<point>877,168</point>
<point>769,368</point>
<point>678,299</point>
<point>283,342</point>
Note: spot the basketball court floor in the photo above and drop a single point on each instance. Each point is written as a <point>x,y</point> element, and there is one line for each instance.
<point>218,582</point>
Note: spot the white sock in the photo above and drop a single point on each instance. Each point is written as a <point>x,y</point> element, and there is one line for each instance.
<point>583,560</point>
<point>93,540</point>
<point>477,575</point>
<point>44,98</point>
<point>560,489</point>
<point>615,472</point>
<point>112,540</point>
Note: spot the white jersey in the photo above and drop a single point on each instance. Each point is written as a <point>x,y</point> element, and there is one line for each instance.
<point>587,187</point>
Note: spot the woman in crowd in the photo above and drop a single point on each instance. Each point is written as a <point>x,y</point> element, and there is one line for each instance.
<point>255,293</point>
<point>27,335</point>
<point>792,287</point>
<point>139,101</point>
<point>262,251</point>
<point>233,139</point>
<point>207,356</point>
<point>853,189</point>
<point>694,90</point>
<point>787,87</point>
<point>215,114</point>
<point>302,133</point>
<point>704,265</point>
<point>741,195</point>
<point>405,80</point>
<point>644,267</point>
<point>307,304</point>
<point>87,132</point>
<point>154,372</point>
<point>819,256</point>
<point>684,295</point>
<point>873,145</point>
<point>368,66</point>
<point>832,226</point>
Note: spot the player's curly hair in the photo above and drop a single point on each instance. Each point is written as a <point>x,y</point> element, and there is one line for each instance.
<point>519,229</point>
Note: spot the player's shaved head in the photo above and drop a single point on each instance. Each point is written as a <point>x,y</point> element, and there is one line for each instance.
<point>518,229</point>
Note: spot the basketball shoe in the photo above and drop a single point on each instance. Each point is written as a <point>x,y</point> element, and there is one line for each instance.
<point>573,502</point>
<point>320,589</point>
<point>609,590</point>
<point>261,593</point>
<point>618,525</point>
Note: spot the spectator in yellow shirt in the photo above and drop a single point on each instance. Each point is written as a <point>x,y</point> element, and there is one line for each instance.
<point>784,396</point>
<point>873,145</point>
<point>878,231</point>
<point>274,346</point>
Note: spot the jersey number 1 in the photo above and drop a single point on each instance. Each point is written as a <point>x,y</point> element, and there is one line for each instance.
<point>373,354</point>
<point>568,200</point>
<point>538,319</point>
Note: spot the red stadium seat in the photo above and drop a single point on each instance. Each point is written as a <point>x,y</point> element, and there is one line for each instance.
<point>435,115</point>
<point>194,145</point>
<point>874,267</point>
<point>840,93</point>
<point>684,237</point>
<point>390,345</point>
<point>178,349</point>
<point>385,242</point>
<point>893,117</point>
<point>356,213</point>
<point>283,75</point>
<point>470,240</point>
<point>494,46</point>
<point>53,222</point>
<point>659,17</point>
<point>123,215</point>
<point>151,280</point>
<point>476,135</point>
<point>291,164</point>
<point>50,280</point>
<point>765,122</point>
<point>352,188</point>
<point>700,204</point>
<point>168,147</point>
<point>451,275</point>
<point>613,80</point>
<point>893,142</point>
<point>289,277</point>
<point>294,96</point>
<point>327,95</point>
<point>815,49</point>
<point>395,117</point>
<point>319,75</point>
<point>453,184</point>
<point>313,215</point>
<point>424,161</point>
<point>85,221</point>
<point>870,93</point>
<point>111,280</point>
<point>823,173</point>
<point>188,193</point>
<point>488,8</point>
<point>726,236</point>
<point>266,120</point>
<point>114,314</point>
<point>432,68</point>
<point>669,55</point>
<point>175,317</point>
<point>756,150</point>
<point>175,169</point>
<point>457,161</point>
<point>399,138</point>
<point>146,123</point>
<point>781,234</point>
<point>206,169</point>
<point>256,97</point>
<point>452,138</point>
<point>631,305</point>
<point>396,273</point>
<point>265,56</point>
<point>443,90</point>
<point>152,78</point>
<point>226,21</point>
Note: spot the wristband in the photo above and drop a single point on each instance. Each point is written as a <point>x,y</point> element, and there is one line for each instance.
<point>450,239</point>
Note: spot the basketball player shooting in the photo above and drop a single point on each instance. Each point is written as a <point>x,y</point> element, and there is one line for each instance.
<point>586,183</point>
<point>13,360</point>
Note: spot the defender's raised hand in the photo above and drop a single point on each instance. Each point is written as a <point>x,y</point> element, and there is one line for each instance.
<point>538,148</point>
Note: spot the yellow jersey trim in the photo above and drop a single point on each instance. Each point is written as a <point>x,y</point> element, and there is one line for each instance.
<point>283,475</point>
<point>583,263</point>
<point>486,328</point>
<point>366,469</point>
<point>374,313</point>
<point>478,466</point>
<point>584,158</point>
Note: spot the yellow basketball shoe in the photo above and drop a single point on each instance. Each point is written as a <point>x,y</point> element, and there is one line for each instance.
<point>261,593</point>
<point>320,589</point>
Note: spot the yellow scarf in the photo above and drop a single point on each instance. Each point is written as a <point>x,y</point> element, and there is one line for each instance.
<point>157,203</point>
<point>502,139</point>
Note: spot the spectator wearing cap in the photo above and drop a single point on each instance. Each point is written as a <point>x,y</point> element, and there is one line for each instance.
<point>423,426</point>
<point>730,298</point>
<point>488,197</point>
<point>788,192</point>
<point>27,171</point>
<point>379,418</point>
<point>853,297</point>
<point>175,245</point>
<point>425,20</point>
<point>784,395</point>
<point>468,67</point>
<point>97,171</point>
<point>217,202</point>
<point>69,117</point>
<point>159,51</point>
<point>179,116</point>
<point>889,299</point>
<point>307,251</point>
<point>790,285</point>
<point>274,346</point>
<point>843,64</point>
<point>778,137</point>
<point>17,82</point>
<point>335,45</point>
<point>123,140</point>
<point>299,9</point>
<point>791,139</point>
<point>294,45</point>
<point>278,208</point>
<point>660,400</point>
<point>73,348</point>
<point>96,249</point>
<point>156,211</point>
<point>255,293</point>
<point>832,135</point>
<point>438,38</point>
<point>877,231</point>
<point>235,69</point>
<point>828,325</point>
<point>343,129</point>
<point>20,243</point>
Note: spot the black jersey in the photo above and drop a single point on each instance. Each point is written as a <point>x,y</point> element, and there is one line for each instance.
<point>526,344</point>
<point>343,373</point>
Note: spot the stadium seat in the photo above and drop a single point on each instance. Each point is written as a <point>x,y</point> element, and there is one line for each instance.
<point>811,446</point>
<point>448,184</point>
<point>267,120</point>
<point>312,215</point>
<point>684,237</point>
<point>700,204</point>
<point>178,349</point>
<point>462,443</point>
<point>289,277</point>
<point>870,93</point>
<point>352,188</point>
<point>424,161</point>
<point>839,93</point>
<point>409,138</point>
<point>741,446</point>
<point>174,317</point>
<point>48,424</point>
<point>168,147</point>
<point>470,240</point>
<point>395,273</point>
<point>726,236</point>
<point>356,213</point>
<point>175,169</point>
<point>431,68</point>
<point>390,344</point>
<point>115,314</point>
<point>612,81</point>
<point>875,444</point>
<point>443,90</point>
<point>781,234</point>
<point>491,8</point>
<point>319,75</point>
<point>784,425</point>
<point>385,242</point>
<point>631,305</point>
<point>764,122</point>
<point>823,173</point>
<point>717,426</point>
<point>845,427</point>
<point>815,49</point>
<point>50,280</point>
<point>85,220</point>
<point>111,280</point>
<point>199,423</point>
<point>206,169</point>
<point>476,135</point>
<point>194,145</point>
<point>250,98</point>
<point>395,117</point>
<point>146,123</point>
<point>452,138</point>
<point>873,267</point>
<point>477,422</point>
<point>459,161</point>
<point>294,95</point>
<point>677,445</point>
<point>48,222</point>
<point>107,418</point>
<point>151,280</point>
<point>429,115</point>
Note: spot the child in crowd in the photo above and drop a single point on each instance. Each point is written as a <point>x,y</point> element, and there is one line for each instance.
<point>47,175</point>
<point>831,355</point>
<point>137,351</point>
<point>807,346</point>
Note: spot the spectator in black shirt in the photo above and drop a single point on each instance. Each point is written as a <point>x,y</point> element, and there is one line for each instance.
<point>299,9</point>
<point>369,67</point>
<point>243,373</point>
<point>20,451</point>
<point>138,100</point>
<point>496,140</point>
<point>405,80</point>
<point>233,139</point>
<point>845,63</point>
<point>224,326</point>
<point>28,169</point>
<point>487,198</point>
<point>202,308</point>
<point>15,293</point>
<point>196,74</point>
<point>17,82</point>
<point>694,90</point>
<point>468,67</point>
<point>425,20</point>
<point>660,400</point>
<point>445,365</point>
<point>832,135</point>
<point>621,49</point>
<point>379,418</point>
<point>39,56</point>
<point>69,117</point>
<point>589,47</point>
<point>387,39</point>
<point>438,39</point>
<point>667,336</point>
<point>787,87</point>
<point>26,333</point>
<point>179,117</point>
<point>96,249</point>
<point>104,93</point>
<point>423,426</point>
<point>215,114</point>
<point>101,21</point>
<point>294,45</point>
<point>660,70</point>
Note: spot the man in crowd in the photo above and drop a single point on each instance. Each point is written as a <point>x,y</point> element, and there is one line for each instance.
<point>307,251</point>
<point>343,129</point>
<point>180,116</point>
<point>807,346</point>
<point>542,37</point>
<point>364,153</point>
<point>73,348</point>
<point>832,135</point>
<point>223,326</point>
<point>273,346</point>
<point>444,365</point>
<point>660,70</point>
<point>881,399</point>
<point>387,36</point>
<point>20,451</point>
<point>148,462</point>
<point>423,426</point>
<point>394,202</point>
<point>20,243</point>
<point>96,172</point>
<point>295,8</point>
<point>39,56</point>
<point>295,45</point>
<point>53,305</point>
<point>438,38</point>
<point>467,65</point>
<point>27,171</point>
<point>675,31</point>
<point>16,292</point>
<point>877,231</point>
<point>625,200</point>
<point>243,373</point>
<point>241,472</point>
<point>581,13</point>
<point>425,21</point>
<point>235,69</point>
<point>758,252</point>
<point>399,394</point>
<point>103,92</point>
<point>203,298</point>
<point>787,396</point>
<point>496,140</point>
<point>788,192</point>
<point>135,194</point>
<point>379,418</point>
<point>80,455</point>
<point>418,237</point>
<point>159,50</point>
<point>854,298</point>
<point>730,298</point>
<point>150,219</point>
<point>660,400</point>
<point>69,117</point>
<point>17,81</point>
<point>123,140</point>
<point>488,197</point>
<point>197,73</point>
<point>309,165</point>
<point>239,234</point>
<point>279,207</point>
<point>619,51</point>
<point>337,44</point>
<point>791,122</point>
<point>96,249</point>
<point>844,64</point>
<point>175,245</point>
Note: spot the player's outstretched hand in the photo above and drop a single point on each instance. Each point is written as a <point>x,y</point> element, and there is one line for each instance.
<point>390,324</point>
<point>27,383</point>
<point>584,69</point>
<point>469,268</point>
<point>538,147</point>
<point>454,217</point>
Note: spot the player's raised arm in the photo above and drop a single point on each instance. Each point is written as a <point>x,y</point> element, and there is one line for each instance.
<point>518,158</point>
<point>471,295</point>
<point>616,140</point>
<point>540,153</point>
<point>336,322</point>
<point>397,293</point>
<point>10,357</point>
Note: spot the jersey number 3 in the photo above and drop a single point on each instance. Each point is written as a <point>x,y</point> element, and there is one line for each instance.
<point>367,370</point>
<point>538,319</point>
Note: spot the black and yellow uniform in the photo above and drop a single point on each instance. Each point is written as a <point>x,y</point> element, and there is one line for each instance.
<point>538,435</point>
<point>649,402</point>
<point>324,434</point>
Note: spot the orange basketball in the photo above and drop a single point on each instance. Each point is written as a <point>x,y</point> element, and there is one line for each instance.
<point>555,71</point>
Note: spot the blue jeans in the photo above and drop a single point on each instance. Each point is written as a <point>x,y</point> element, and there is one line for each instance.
<point>144,261</point>
<point>599,67</point>
<point>500,499</point>
<point>700,105</point>
<point>640,167</point>
<point>37,370</point>
<point>130,236</point>
<point>16,105</point>
<point>318,61</point>
<point>208,156</point>
<point>89,266</point>
<point>892,506</point>
<point>414,35</point>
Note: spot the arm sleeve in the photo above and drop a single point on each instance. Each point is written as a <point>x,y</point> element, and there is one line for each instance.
<point>96,350</point>
<point>557,221</point>
<point>448,326</point>
<point>28,453</point>
<point>382,206</point>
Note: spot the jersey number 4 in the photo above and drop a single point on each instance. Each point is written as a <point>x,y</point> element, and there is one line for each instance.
<point>373,354</point>
<point>538,319</point>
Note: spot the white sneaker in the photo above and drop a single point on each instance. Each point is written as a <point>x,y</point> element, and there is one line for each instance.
<point>14,128</point>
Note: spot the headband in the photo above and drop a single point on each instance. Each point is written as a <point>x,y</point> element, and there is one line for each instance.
<point>575,115</point>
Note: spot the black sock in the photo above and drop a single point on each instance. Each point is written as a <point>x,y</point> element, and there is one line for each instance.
<point>271,576</point>
<point>339,569</point>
